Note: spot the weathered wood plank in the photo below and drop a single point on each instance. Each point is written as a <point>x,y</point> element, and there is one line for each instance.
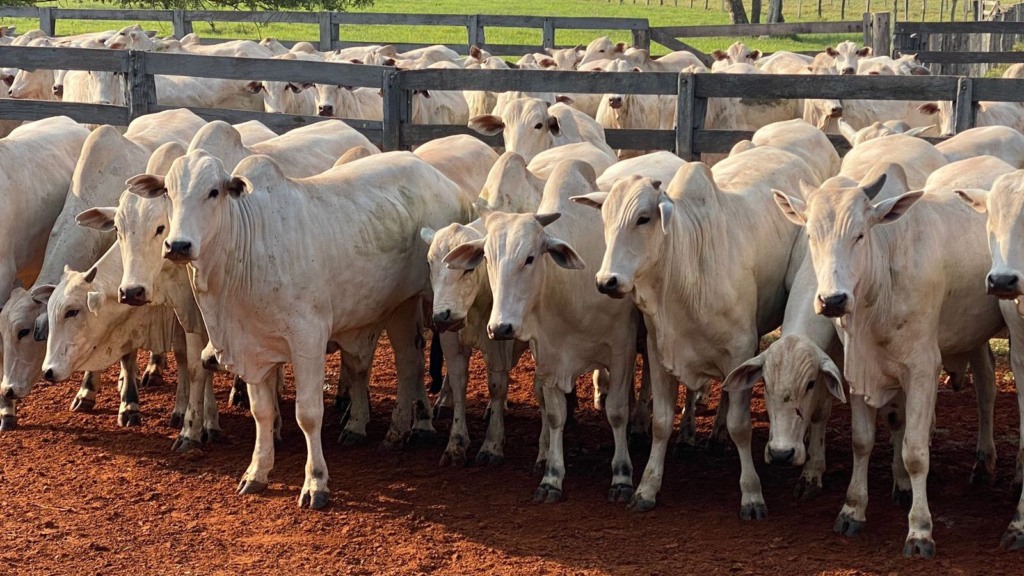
<point>675,44</point>
<point>86,113</point>
<point>279,123</point>
<point>88,14</point>
<point>245,16</point>
<point>391,135</point>
<point>845,87</point>
<point>783,29</point>
<point>15,12</point>
<point>964,111</point>
<point>31,58</point>
<point>413,135</point>
<point>722,141</point>
<point>141,87</point>
<point>257,69</point>
<point>685,117</point>
<point>579,23</point>
<point>182,25</point>
<point>937,57</point>
<point>959,27</point>
<point>383,19</point>
<point>531,80</point>
<point>998,89</point>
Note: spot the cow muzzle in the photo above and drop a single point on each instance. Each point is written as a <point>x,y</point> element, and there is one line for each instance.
<point>8,392</point>
<point>615,102</point>
<point>612,285</point>
<point>325,111</point>
<point>836,112</point>
<point>1003,286</point>
<point>178,251</point>
<point>781,457</point>
<point>848,71</point>
<point>502,331</point>
<point>132,295</point>
<point>53,374</point>
<point>832,305</point>
<point>444,321</point>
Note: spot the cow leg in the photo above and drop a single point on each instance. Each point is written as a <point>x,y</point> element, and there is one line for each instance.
<point>600,381</point>
<point>457,359</point>
<point>921,393</point>
<point>544,442</point>
<point>261,400</point>
<point>1013,538</point>
<point>687,438</point>
<point>895,417</point>
<point>309,413</point>
<point>8,415</point>
<point>182,356</point>
<point>356,361</point>
<point>617,409</point>
<point>211,417</point>
<point>153,375</point>
<point>444,405</point>
<point>190,379</point>
<point>278,391</point>
<point>492,451</point>
<point>640,415</point>
<point>983,367</point>
<point>405,334</point>
<point>862,421</point>
<point>664,394</point>
<point>128,385</point>
<point>555,410</point>
<point>85,399</point>
<point>720,427</point>
<point>752,505</point>
<point>809,485</point>
<point>239,393</point>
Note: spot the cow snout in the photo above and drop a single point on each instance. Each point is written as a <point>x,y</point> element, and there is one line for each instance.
<point>503,331</point>
<point>325,110</point>
<point>848,70</point>
<point>11,92</point>
<point>836,112</point>
<point>1005,286</point>
<point>58,90</point>
<point>49,375</point>
<point>132,295</point>
<point>833,305</point>
<point>615,102</point>
<point>781,457</point>
<point>611,285</point>
<point>445,322</point>
<point>178,251</point>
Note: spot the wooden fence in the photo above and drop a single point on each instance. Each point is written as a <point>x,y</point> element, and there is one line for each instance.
<point>689,139</point>
<point>963,48</point>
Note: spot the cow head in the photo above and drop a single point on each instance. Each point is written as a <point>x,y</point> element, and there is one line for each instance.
<point>454,290</point>
<point>944,110</point>
<point>23,327</point>
<point>738,53</point>
<point>278,97</point>
<point>333,100</point>
<point>602,49</point>
<point>840,225</point>
<point>71,303</point>
<point>846,56</point>
<point>798,376</point>
<point>525,124</point>
<point>1005,207</point>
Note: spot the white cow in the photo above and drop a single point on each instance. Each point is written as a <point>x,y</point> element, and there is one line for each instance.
<point>737,53</point>
<point>464,159</point>
<point>988,114</point>
<point>263,219</point>
<point>845,57</point>
<point>917,157</point>
<point>552,308</point>
<point>660,166</point>
<point>440,106</point>
<point>254,132</point>
<point>709,280</point>
<point>878,129</point>
<point>529,126</point>
<point>1000,141</point>
<point>544,163</point>
<point>635,111</point>
<point>602,49</point>
<point>34,84</point>
<point>897,329</point>
<point>349,102</point>
<point>287,97</point>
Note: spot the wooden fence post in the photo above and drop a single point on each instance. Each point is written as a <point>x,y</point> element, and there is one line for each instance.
<point>474,31</point>
<point>397,111</point>
<point>686,120</point>
<point>868,35</point>
<point>964,105</point>
<point>881,36</point>
<point>182,25</point>
<point>328,31</point>
<point>48,21</point>
<point>548,34</point>
<point>140,85</point>
<point>642,37</point>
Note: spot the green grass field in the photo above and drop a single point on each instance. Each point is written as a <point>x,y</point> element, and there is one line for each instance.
<point>664,13</point>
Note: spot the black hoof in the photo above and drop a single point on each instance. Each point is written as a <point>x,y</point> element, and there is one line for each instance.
<point>129,418</point>
<point>176,420</point>
<point>443,412</point>
<point>454,457</point>
<point>251,487</point>
<point>349,438</point>
<point>923,547</point>
<point>847,526</point>
<point>547,494</point>
<point>210,436</point>
<point>755,511</point>
<point>8,422</point>
<point>637,504</point>
<point>183,444</point>
<point>902,498</point>
<point>488,458</point>
<point>314,500</point>
<point>152,379</point>
<point>80,404</point>
<point>620,493</point>
<point>419,437</point>
<point>1013,539</point>
<point>805,490</point>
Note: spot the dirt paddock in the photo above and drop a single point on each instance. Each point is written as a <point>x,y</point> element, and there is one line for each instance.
<point>79,495</point>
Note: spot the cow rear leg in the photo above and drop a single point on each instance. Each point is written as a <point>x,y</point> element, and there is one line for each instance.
<point>457,359</point>
<point>555,410</point>
<point>356,362</point>
<point>262,400</point>
<point>862,420</point>
<point>686,440</point>
<point>492,452</point>
<point>752,506</point>
<point>128,385</point>
<point>404,332</point>
<point>179,346</point>
<point>153,375</point>
<point>718,442</point>
<point>894,414</point>
<point>983,367</point>
<point>239,393</point>
<point>85,398</point>
<point>640,413</point>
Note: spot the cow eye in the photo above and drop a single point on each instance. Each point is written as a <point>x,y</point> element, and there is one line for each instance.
<point>810,385</point>
<point>22,333</point>
<point>529,260</point>
<point>859,238</point>
<point>71,313</point>
<point>159,230</point>
<point>601,51</point>
<point>214,193</point>
<point>539,126</point>
<point>642,220</point>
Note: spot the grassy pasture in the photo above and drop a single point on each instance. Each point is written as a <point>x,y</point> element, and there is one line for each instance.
<point>666,13</point>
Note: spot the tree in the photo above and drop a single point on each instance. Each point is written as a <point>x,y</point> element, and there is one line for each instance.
<point>737,13</point>
<point>775,11</point>
<point>755,11</point>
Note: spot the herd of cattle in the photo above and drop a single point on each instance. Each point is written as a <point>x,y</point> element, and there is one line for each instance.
<point>241,251</point>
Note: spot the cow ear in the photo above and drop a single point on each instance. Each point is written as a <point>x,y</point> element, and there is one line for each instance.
<point>294,89</point>
<point>94,300</point>
<point>553,125</point>
<point>466,256</point>
<point>864,52</point>
<point>238,185</point>
<point>90,275</point>
<point>427,235</point>
<point>831,51</point>
<point>872,189</point>
<point>666,207</point>
<point>620,47</point>
<point>594,199</point>
<point>755,54</point>
<point>929,108</point>
<point>253,87</point>
<point>389,61</point>
<point>474,52</point>
<point>40,294</point>
<point>892,209</point>
<point>546,219</point>
<point>487,124</point>
<point>41,328</point>
<point>563,254</point>
<point>563,99</point>
<point>833,378</point>
<point>146,185</point>
<point>975,198</point>
<point>744,376</point>
<point>101,219</point>
<point>719,55</point>
<point>792,207</point>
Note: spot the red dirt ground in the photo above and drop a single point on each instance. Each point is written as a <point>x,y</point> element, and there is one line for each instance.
<point>79,495</point>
